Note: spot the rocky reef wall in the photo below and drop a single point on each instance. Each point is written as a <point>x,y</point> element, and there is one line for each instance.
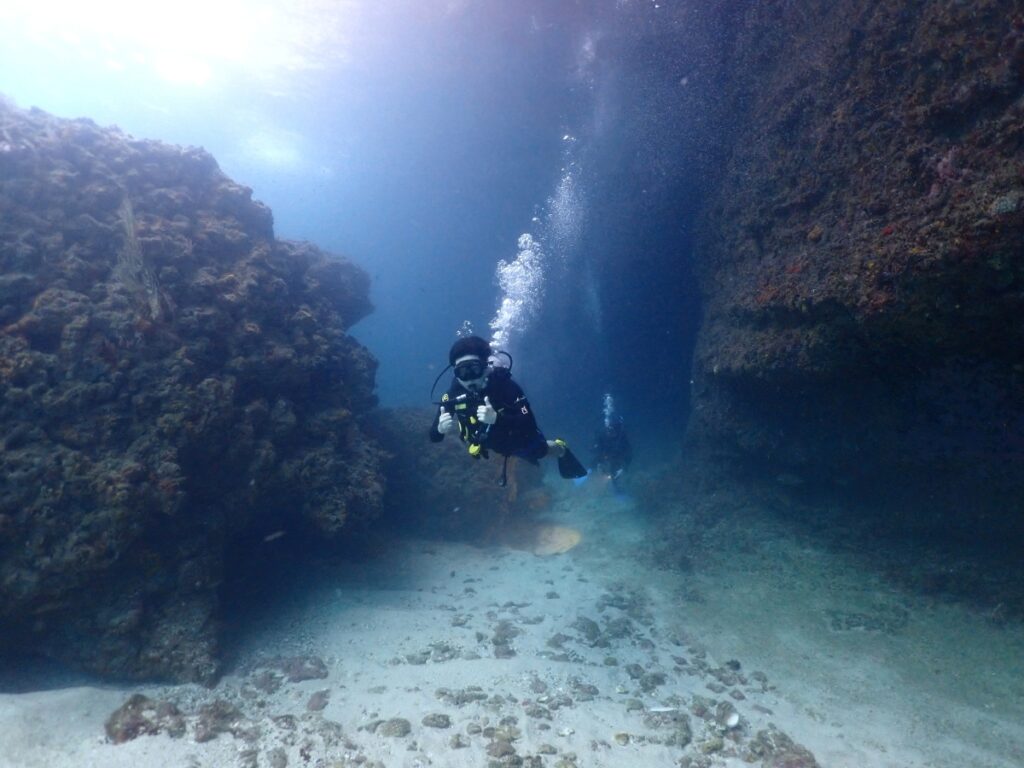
<point>174,381</point>
<point>861,258</point>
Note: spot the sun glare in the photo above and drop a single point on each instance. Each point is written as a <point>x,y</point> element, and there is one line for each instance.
<point>186,42</point>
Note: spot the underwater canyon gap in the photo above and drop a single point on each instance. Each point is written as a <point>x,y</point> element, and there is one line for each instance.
<point>847,179</point>
<point>856,237</point>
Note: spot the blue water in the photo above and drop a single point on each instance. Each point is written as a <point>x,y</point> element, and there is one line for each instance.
<point>469,153</point>
<point>421,140</point>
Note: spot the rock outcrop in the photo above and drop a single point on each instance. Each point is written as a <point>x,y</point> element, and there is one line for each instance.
<point>862,258</point>
<point>173,379</point>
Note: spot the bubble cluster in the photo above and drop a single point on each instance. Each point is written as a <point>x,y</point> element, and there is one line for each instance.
<point>565,213</point>
<point>609,410</point>
<point>521,281</point>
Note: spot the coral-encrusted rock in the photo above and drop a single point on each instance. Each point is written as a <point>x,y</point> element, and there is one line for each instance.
<point>141,716</point>
<point>777,750</point>
<point>220,716</point>
<point>171,376</point>
<point>862,258</point>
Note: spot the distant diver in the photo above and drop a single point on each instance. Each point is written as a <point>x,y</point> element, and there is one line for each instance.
<point>612,451</point>
<point>491,413</point>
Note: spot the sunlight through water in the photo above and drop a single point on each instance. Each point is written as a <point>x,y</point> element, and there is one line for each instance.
<point>193,43</point>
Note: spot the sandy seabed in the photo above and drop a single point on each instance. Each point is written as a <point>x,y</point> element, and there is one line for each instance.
<point>453,655</point>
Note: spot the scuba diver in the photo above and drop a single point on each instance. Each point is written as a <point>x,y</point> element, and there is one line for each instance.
<point>612,451</point>
<point>490,412</point>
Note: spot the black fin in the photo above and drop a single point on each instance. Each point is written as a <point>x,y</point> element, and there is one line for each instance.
<point>569,466</point>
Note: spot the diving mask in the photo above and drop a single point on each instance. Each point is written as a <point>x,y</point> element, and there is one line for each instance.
<point>470,370</point>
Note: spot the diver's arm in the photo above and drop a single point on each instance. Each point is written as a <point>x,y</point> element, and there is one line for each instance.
<point>514,411</point>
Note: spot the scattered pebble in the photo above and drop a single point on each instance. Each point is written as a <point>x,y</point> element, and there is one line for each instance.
<point>437,720</point>
<point>394,728</point>
<point>652,680</point>
<point>318,701</point>
<point>711,745</point>
<point>457,741</point>
<point>500,749</point>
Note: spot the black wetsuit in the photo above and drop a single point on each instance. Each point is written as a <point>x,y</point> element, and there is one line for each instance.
<point>515,433</point>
